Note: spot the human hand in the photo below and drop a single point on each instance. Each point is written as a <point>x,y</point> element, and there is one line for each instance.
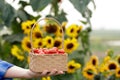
<point>44,73</point>
<point>18,72</point>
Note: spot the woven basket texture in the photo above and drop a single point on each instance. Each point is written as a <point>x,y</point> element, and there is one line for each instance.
<point>41,62</point>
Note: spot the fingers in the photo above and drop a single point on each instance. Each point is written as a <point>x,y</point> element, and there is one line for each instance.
<point>53,72</point>
<point>31,74</point>
<point>60,72</point>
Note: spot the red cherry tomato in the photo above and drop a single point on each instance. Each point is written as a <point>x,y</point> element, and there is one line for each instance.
<point>61,51</point>
<point>36,51</point>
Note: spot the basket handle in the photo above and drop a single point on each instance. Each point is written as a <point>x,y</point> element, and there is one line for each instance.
<point>48,18</point>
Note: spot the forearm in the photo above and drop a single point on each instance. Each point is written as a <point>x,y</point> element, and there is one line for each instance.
<point>17,72</point>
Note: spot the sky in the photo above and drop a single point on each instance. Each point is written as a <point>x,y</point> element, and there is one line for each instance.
<point>105,16</point>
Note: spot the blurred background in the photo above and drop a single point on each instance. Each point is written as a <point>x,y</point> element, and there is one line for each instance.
<point>104,21</point>
<point>93,24</point>
<point>106,26</point>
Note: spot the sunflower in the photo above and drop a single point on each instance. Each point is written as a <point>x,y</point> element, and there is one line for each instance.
<point>79,29</point>
<point>26,45</point>
<point>27,25</point>
<point>59,32</point>
<point>103,68</point>
<point>15,51</point>
<point>37,34</point>
<point>51,28</point>
<point>46,78</point>
<point>58,42</point>
<point>72,30</point>
<point>48,41</point>
<point>118,59</point>
<point>64,25</point>
<point>112,65</point>
<point>70,45</point>
<point>94,60</point>
<point>106,59</point>
<point>38,43</point>
<point>73,66</point>
<point>109,52</point>
<point>89,72</point>
<point>117,73</point>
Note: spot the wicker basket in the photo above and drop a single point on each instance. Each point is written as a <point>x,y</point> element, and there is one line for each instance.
<point>41,62</point>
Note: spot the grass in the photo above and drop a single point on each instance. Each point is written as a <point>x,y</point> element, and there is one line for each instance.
<point>98,39</point>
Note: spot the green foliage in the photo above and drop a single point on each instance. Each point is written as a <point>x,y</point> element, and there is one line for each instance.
<point>63,77</point>
<point>39,5</point>
<point>13,38</point>
<point>12,20</point>
<point>7,13</point>
<point>80,5</point>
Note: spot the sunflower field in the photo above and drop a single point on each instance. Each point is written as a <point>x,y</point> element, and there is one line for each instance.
<point>15,43</point>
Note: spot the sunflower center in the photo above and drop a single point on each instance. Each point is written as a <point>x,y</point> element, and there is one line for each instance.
<point>78,31</point>
<point>27,27</point>
<point>119,60</point>
<point>57,43</point>
<point>40,43</point>
<point>119,72</point>
<point>51,28</point>
<point>89,72</point>
<point>71,67</point>
<point>60,30</point>
<point>49,41</point>
<point>38,35</point>
<point>31,25</point>
<point>28,45</point>
<point>70,45</point>
<point>94,62</point>
<point>112,66</point>
<point>71,30</point>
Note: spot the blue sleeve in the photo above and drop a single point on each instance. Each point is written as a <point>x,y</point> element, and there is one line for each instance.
<point>4,66</point>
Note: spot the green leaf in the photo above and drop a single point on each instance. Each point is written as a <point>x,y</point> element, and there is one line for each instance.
<point>93,4</point>
<point>5,50</point>
<point>80,5</point>
<point>23,3</point>
<point>22,15</point>
<point>2,5</point>
<point>85,40</point>
<point>87,13</point>
<point>39,5</point>
<point>112,77</point>
<point>84,22</point>
<point>99,76</point>
<point>55,7</point>
<point>60,17</point>
<point>16,27</point>
<point>13,38</point>
<point>8,14</point>
<point>1,26</point>
<point>78,56</point>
